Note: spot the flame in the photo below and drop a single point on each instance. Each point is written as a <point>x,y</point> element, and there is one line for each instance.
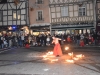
<point>66,48</point>
<point>50,53</point>
<point>49,56</point>
<point>79,56</point>
<point>70,61</point>
<point>75,58</point>
<point>70,54</point>
<point>54,60</point>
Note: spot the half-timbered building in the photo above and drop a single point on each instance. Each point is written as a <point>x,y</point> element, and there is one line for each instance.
<point>74,16</point>
<point>14,15</point>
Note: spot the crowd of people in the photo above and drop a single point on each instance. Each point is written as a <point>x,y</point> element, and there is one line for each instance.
<point>8,40</point>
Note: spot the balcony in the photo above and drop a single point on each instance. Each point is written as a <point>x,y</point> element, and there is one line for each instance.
<point>73,20</point>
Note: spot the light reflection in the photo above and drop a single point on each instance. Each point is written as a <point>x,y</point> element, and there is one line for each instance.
<point>66,48</point>
<point>70,61</point>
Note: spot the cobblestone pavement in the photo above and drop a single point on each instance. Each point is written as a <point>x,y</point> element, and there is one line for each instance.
<point>21,61</point>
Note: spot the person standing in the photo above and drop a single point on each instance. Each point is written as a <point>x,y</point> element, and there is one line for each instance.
<point>22,40</point>
<point>57,48</point>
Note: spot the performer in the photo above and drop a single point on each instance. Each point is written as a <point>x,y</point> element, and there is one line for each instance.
<point>57,48</point>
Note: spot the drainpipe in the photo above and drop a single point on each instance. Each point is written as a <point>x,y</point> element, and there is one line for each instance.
<point>95,12</point>
<point>50,29</point>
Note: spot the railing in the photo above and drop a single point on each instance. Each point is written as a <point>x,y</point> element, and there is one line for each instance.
<point>66,1</point>
<point>71,20</point>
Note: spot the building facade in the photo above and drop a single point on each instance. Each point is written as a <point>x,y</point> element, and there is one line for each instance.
<point>97,9</point>
<point>13,15</point>
<point>39,15</point>
<point>74,16</point>
<point>50,16</point>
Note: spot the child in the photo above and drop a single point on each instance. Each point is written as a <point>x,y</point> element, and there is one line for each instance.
<point>81,43</point>
<point>27,44</point>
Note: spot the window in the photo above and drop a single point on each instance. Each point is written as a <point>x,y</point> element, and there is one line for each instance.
<point>39,1</point>
<point>16,14</point>
<point>64,11</point>
<point>40,15</point>
<point>82,11</point>
<point>3,1</point>
<point>1,17</point>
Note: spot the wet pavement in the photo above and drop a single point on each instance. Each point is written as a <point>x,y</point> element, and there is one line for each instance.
<point>21,61</point>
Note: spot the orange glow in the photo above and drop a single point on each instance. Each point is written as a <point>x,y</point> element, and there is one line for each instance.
<point>79,56</point>
<point>75,58</point>
<point>49,56</point>
<point>54,60</point>
<point>66,48</point>
<point>50,53</point>
<point>70,61</point>
<point>70,54</point>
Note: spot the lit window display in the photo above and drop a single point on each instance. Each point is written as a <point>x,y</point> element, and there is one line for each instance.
<point>84,31</point>
<point>88,30</point>
<point>35,33</point>
<point>80,31</point>
<point>72,31</point>
<point>0,34</point>
<point>68,31</point>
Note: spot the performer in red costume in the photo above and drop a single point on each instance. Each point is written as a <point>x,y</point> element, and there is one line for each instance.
<point>57,48</point>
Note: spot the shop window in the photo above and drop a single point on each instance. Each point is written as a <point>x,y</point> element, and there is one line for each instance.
<point>88,30</point>
<point>68,31</point>
<point>80,31</point>
<point>84,31</point>
<point>64,11</point>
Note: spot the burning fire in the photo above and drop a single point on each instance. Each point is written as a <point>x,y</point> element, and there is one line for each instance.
<point>72,57</point>
<point>70,61</point>
<point>66,48</point>
<point>75,58</point>
<point>49,56</point>
<point>80,56</point>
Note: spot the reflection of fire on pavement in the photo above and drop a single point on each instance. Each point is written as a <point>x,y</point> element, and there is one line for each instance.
<point>49,56</point>
<point>72,58</point>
